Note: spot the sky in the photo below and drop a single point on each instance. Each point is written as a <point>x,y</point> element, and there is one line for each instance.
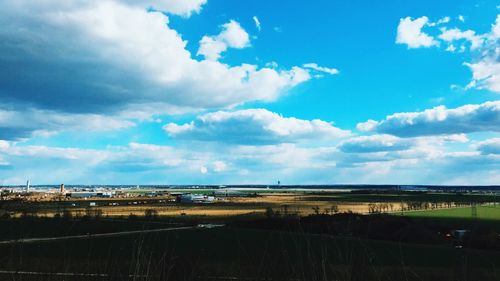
<point>249,92</point>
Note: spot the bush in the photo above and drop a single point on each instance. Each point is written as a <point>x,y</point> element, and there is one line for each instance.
<point>66,214</point>
<point>93,213</point>
<point>151,213</point>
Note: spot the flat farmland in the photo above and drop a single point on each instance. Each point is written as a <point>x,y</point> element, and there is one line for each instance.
<point>247,203</point>
<point>486,212</point>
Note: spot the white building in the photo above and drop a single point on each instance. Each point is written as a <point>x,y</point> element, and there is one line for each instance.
<point>194,198</point>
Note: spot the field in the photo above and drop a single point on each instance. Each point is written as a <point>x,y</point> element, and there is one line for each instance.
<point>226,253</point>
<point>267,235</point>
<point>483,213</point>
<point>302,202</point>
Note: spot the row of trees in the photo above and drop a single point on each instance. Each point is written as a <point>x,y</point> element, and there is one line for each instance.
<point>89,212</point>
<point>375,208</point>
<point>333,209</point>
<point>410,206</point>
<point>94,213</point>
<point>284,211</point>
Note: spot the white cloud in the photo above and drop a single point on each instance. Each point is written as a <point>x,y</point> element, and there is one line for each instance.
<point>176,7</point>
<point>485,66</point>
<point>451,48</point>
<point>485,75</point>
<point>219,166</point>
<point>112,58</point>
<point>253,126</point>
<point>203,170</point>
<point>367,126</point>
<point>495,29</point>
<point>486,70</point>
<point>29,122</point>
<point>4,144</point>
<point>489,146</point>
<point>374,143</point>
<point>461,18</point>
<point>439,22</point>
<point>439,121</point>
<point>444,20</point>
<point>272,64</point>
<point>410,33</point>
<point>257,23</point>
<point>318,68</point>
<point>231,36</point>
<point>455,34</point>
<point>366,150</point>
<point>424,162</point>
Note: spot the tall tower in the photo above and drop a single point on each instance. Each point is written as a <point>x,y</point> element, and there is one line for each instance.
<point>62,188</point>
<point>28,186</point>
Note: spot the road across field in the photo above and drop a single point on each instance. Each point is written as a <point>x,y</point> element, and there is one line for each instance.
<point>49,239</point>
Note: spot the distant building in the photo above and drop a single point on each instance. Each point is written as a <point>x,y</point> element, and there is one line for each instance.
<point>28,186</point>
<point>413,188</point>
<point>230,193</point>
<point>194,198</point>
<point>89,194</point>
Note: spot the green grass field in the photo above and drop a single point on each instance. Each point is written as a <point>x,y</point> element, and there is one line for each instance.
<point>483,213</point>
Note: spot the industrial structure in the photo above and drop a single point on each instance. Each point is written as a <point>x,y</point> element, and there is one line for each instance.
<point>194,198</point>
<point>89,194</point>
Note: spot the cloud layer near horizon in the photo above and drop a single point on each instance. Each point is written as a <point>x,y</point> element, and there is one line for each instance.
<point>470,118</point>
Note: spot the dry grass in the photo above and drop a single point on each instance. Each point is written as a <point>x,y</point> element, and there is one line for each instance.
<point>302,204</point>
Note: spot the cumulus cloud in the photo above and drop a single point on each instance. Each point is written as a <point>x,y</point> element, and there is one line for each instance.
<point>455,34</point>
<point>253,126</point>
<point>410,33</point>
<point>231,36</point>
<point>485,74</point>
<point>30,122</point>
<point>316,67</point>
<point>114,57</point>
<point>176,7</point>
<point>439,121</point>
<point>486,69</point>
<point>365,151</point>
<point>489,146</point>
<point>485,66</point>
<point>375,143</point>
<point>439,22</point>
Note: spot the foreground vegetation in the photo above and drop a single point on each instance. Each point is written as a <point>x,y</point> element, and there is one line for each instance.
<point>233,253</point>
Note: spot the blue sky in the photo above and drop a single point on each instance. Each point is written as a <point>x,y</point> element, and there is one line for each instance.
<point>218,92</point>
